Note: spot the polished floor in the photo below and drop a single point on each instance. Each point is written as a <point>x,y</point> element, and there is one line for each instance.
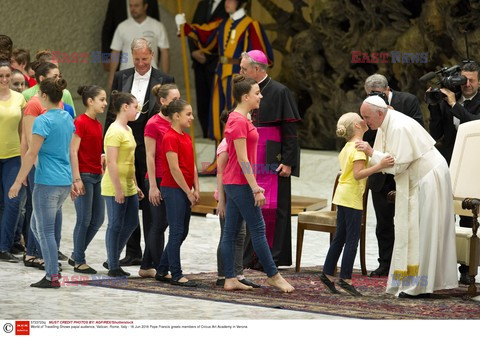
<point>20,301</point>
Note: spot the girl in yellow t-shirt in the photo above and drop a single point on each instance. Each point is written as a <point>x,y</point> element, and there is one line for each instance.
<point>348,198</point>
<point>11,106</point>
<point>119,185</point>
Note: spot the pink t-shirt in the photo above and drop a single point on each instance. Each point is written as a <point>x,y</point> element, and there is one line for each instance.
<point>156,128</point>
<point>238,127</point>
<point>222,147</point>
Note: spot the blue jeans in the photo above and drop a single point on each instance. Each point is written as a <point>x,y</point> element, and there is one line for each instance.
<point>90,209</point>
<point>239,242</point>
<point>122,221</point>
<point>178,218</point>
<point>349,223</point>
<point>33,247</point>
<point>155,238</point>
<point>9,208</point>
<point>241,206</point>
<point>47,208</point>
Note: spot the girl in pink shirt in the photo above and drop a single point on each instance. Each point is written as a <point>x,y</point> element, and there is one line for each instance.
<point>155,129</point>
<point>244,196</point>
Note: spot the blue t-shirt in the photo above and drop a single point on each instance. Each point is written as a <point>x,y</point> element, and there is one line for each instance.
<point>53,168</point>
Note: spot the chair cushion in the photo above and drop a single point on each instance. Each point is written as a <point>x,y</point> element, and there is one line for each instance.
<point>328,218</point>
<point>463,241</point>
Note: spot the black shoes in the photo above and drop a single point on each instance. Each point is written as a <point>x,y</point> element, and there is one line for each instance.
<point>130,261</point>
<point>124,273</point>
<point>88,270</point>
<point>162,278</point>
<point>466,279</point>
<point>380,271</point>
<point>348,288</point>
<point>44,283</point>
<point>248,283</point>
<point>329,284</point>
<point>8,257</point>
<point>62,257</point>
<point>405,295</point>
<point>119,272</point>
<point>189,283</point>
<point>71,262</point>
<point>220,282</point>
<point>17,248</point>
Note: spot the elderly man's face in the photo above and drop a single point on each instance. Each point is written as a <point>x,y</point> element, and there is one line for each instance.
<point>142,60</point>
<point>372,116</point>
<point>248,69</point>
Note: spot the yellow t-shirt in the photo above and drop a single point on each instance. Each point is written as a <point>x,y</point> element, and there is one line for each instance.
<point>117,136</point>
<point>10,116</point>
<point>349,192</point>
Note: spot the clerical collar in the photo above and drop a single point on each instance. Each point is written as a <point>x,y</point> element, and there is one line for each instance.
<point>145,76</point>
<point>263,80</point>
<point>238,14</point>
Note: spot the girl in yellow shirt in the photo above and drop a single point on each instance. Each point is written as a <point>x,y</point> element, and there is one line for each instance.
<point>348,198</point>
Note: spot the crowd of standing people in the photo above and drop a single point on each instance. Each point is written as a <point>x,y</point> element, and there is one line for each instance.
<point>143,159</point>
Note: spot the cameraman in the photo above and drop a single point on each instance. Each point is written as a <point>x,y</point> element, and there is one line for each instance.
<point>444,121</point>
<point>380,184</point>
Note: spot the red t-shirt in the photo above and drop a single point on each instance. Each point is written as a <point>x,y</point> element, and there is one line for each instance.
<point>156,128</point>
<point>238,127</point>
<point>30,81</point>
<point>181,144</point>
<point>90,151</point>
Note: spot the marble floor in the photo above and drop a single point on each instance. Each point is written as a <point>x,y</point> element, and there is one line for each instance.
<point>20,301</point>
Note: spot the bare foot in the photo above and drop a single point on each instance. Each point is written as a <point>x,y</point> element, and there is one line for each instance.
<point>235,284</point>
<point>279,282</point>
<point>147,273</point>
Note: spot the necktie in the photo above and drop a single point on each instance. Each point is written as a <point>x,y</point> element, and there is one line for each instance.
<point>466,103</point>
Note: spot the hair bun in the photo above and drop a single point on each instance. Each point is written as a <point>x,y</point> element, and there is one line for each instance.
<point>341,130</point>
<point>81,90</point>
<point>238,78</point>
<point>60,83</point>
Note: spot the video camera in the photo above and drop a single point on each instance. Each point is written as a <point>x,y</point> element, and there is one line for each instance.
<point>449,78</point>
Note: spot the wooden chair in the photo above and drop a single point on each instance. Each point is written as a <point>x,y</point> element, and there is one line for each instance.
<point>326,221</point>
<point>467,241</point>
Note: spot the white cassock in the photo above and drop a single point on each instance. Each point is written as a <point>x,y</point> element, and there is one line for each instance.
<point>424,253</point>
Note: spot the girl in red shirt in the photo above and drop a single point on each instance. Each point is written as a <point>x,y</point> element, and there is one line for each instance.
<point>87,164</point>
<point>179,175</point>
<point>244,196</point>
<point>155,129</point>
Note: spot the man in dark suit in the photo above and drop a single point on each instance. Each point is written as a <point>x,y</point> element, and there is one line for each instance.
<point>444,121</point>
<point>139,81</point>
<point>117,12</point>
<point>204,64</point>
<point>380,184</point>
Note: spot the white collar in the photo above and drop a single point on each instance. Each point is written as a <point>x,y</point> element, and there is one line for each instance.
<point>240,13</point>
<point>266,75</point>
<point>471,98</point>
<point>146,76</point>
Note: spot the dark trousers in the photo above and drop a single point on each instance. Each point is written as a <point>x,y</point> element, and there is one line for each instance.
<point>203,86</point>
<point>133,245</point>
<point>349,224</point>
<point>155,239</point>
<point>385,230</point>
